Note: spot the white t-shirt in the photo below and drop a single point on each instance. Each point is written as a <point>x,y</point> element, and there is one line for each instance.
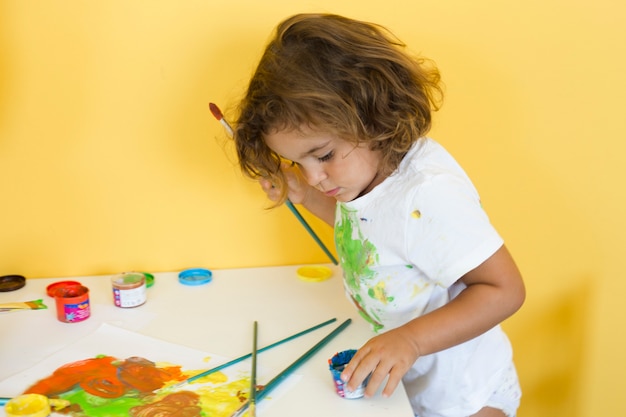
<point>403,247</point>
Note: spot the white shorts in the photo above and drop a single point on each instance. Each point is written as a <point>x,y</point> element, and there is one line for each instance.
<point>507,396</point>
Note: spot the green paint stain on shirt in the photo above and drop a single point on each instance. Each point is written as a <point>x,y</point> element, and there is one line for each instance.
<point>357,253</point>
<point>357,256</point>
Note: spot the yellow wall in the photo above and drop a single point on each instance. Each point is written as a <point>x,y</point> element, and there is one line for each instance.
<point>111,161</point>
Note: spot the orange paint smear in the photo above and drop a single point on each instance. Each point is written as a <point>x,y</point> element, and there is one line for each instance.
<point>107,377</point>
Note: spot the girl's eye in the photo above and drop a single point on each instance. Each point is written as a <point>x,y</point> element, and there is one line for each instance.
<point>326,157</point>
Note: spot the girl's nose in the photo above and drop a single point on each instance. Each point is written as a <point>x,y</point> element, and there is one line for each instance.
<point>313,175</point>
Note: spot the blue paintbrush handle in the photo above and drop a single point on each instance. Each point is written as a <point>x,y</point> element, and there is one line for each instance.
<point>308,228</point>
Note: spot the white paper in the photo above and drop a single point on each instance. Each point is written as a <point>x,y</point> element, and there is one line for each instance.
<point>119,343</point>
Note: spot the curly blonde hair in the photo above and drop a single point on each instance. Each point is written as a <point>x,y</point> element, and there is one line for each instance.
<point>347,77</point>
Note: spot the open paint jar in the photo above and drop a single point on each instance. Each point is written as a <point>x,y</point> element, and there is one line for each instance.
<point>72,303</point>
<point>337,364</point>
<point>129,289</point>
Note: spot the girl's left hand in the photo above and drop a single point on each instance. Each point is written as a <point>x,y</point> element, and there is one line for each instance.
<point>389,354</point>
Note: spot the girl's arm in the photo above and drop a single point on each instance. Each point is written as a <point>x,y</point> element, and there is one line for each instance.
<point>495,290</point>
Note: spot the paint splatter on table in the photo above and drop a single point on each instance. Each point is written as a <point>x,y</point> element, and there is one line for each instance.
<point>107,386</point>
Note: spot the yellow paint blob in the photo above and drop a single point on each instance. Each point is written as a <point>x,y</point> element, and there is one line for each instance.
<point>33,405</point>
<point>224,400</point>
<point>416,214</point>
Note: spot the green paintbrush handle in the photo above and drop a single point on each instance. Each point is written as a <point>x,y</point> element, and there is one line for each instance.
<point>241,358</point>
<point>288,370</point>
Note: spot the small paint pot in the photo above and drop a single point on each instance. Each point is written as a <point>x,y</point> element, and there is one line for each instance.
<point>72,302</point>
<point>129,289</point>
<point>33,405</point>
<point>337,364</point>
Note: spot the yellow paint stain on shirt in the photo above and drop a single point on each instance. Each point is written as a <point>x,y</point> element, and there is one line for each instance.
<point>378,292</point>
<point>418,289</point>
<point>416,214</point>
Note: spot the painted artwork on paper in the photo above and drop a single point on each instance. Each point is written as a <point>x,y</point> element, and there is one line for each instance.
<point>137,387</point>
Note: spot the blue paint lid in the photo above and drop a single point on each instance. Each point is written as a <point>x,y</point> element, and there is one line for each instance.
<point>195,276</point>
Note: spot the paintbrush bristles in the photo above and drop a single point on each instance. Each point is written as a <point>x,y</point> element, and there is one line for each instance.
<point>217,113</point>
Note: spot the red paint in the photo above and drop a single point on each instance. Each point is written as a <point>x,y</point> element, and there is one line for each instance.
<point>72,303</point>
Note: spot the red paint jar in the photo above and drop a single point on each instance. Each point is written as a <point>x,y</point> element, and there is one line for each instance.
<point>72,302</point>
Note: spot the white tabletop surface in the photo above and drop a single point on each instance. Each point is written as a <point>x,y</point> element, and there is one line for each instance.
<point>216,317</point>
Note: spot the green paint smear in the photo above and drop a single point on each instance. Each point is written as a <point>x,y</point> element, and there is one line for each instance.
<point>357,255</point>
<point>102,407</point>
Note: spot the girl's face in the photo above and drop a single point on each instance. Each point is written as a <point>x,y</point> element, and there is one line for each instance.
<point>337,168</point>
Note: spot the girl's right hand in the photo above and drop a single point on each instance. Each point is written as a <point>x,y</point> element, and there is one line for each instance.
<point>301,192</point>
<point>298,188</point>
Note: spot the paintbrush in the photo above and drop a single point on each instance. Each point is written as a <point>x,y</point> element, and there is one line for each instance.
<point>23,305</point>
<point>296,213</point>
<point>274,382</point>
<point>244,357</point>
<point>217,113</point>
<point>252,396</point>
<point>251,403</point>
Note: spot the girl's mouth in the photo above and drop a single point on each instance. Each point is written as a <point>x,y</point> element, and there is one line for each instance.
<point>332,193</point>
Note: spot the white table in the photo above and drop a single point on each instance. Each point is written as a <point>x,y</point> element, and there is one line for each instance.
<point>216,317</point>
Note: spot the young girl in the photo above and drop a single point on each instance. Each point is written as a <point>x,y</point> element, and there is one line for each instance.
<point>335,119</point>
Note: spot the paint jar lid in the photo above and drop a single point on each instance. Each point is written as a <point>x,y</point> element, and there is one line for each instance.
<point>128,280</point>
<point>52,288</point>
<point>149,279</point>
<point>11,282</point>
<point>314,273</point>
<point>195,276</point>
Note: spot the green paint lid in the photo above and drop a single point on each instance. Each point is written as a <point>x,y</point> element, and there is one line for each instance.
<point>149,279</point>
